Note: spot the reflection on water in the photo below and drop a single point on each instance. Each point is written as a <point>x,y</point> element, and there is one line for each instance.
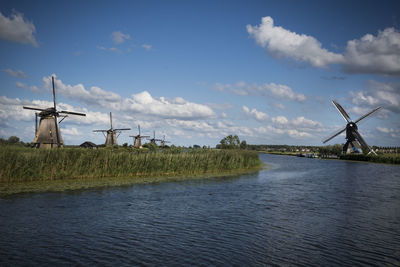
<point>299,212</point>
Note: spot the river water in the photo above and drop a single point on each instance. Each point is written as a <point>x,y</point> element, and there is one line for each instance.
<point>302,212</point>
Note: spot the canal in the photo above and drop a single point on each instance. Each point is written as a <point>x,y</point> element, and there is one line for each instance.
<point>297,211</point>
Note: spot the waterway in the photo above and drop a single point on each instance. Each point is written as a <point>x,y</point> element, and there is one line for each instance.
<point>298,212</point>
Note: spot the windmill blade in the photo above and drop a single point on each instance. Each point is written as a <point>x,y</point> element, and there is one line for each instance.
<point>72,113</point>
<point>111,119</point>
<point>100,131</point>
<point>366,115</point>
<point>361,140</point>
<point>334,135</point>
<point>341,110</point>
<point>54,93</point>
<point>57,134</point>
<point>40,109</point>
<point>122,129</point>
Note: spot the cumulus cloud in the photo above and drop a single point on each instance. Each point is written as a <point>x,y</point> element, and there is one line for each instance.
<point>16,29</point>
<point>386,95</point>
<point>144,103</point>
<point>94,96</point>
<point>119,37</point>
<point>258,115</point>
<point>11,109</point>
<point>296,128</point>
<point>279,91</point>
<point>284,43</point>
<point>374,54</point>
<point>18,74</point>
<point>371,54</point>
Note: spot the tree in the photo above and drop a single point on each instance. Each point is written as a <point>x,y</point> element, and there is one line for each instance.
<point>13,140</point>
<point>229,142</point>
<point>243,145</point>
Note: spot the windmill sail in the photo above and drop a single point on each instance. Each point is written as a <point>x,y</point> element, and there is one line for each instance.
<point>355,142</point>
<point>47,134</point>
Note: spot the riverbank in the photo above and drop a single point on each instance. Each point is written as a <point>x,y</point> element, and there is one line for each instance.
<point>33,170</point>
<point>380,158</point>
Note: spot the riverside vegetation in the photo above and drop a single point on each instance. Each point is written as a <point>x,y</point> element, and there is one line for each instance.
<point>24,169</point>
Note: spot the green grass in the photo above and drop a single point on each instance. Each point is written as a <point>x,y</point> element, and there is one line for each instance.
<point>80,168</point>
<point>380,158</point>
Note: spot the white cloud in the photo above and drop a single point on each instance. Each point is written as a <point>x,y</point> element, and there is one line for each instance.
<point>392,132</point>
<point>70,131</point>
<point>18,74</point>
<point>284,43</point>
<point>147,47</point>
<point>94,96</point>
<point>16,29</point>
<point>20,85</point>
<point>258,115</point>
<point>144,103</point>
<point>386,95</point>
<point>284,92</point>
<point>101,47</point>
<point>371,54</point>
<point>119,37</point>
<point>279,91</point>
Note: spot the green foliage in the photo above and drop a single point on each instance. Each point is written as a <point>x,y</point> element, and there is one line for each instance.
<point>243,145</point>
<point>25,164</point>
<point>230,142</point>
<point>385,158</point>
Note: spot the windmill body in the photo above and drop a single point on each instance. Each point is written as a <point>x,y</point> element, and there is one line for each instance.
<point>48,134</point>
<point>111,137</point>
<point>137,143</point>
<point>154,140</point>
<point>354,141</point>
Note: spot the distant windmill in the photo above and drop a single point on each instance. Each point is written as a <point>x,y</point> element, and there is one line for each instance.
<point>154,140</point>
<point>163,141</point>
<point>355,143</point>
<point>111,138</point>
<point>138,139</point>
<point>48,134</point>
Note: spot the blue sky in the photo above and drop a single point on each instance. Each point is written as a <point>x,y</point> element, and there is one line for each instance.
<point>196,71</point>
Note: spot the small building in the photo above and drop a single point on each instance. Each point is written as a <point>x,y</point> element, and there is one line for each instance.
<point>88,144</point>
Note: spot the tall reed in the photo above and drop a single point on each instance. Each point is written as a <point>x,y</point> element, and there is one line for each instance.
<point>25,164</point>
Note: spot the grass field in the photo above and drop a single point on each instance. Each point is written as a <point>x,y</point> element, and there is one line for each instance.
<point>71,167</point>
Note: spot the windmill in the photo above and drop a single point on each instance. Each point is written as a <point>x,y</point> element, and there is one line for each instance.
<point>355,143</point>
<point>163,141</point>
<point>111,138</point>
<point>48,134</point>
<point>153,140</point>
<point>138,139</point>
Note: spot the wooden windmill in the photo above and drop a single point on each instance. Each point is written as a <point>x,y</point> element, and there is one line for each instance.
<point>163,141</point>
<point>111,138</point>
<point>138,139</point>
<point>355,142</point>
<point>154,140</point>
<point>47,134</point>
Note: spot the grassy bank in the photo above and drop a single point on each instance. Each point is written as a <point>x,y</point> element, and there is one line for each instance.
<point>74,168</point>
<point>384,158</point>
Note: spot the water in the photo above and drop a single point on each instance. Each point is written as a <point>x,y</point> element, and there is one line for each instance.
<point>304,212</point>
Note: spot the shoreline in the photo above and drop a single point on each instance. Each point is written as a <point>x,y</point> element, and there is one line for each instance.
<point>362,158</point>
<point>43,186</point>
